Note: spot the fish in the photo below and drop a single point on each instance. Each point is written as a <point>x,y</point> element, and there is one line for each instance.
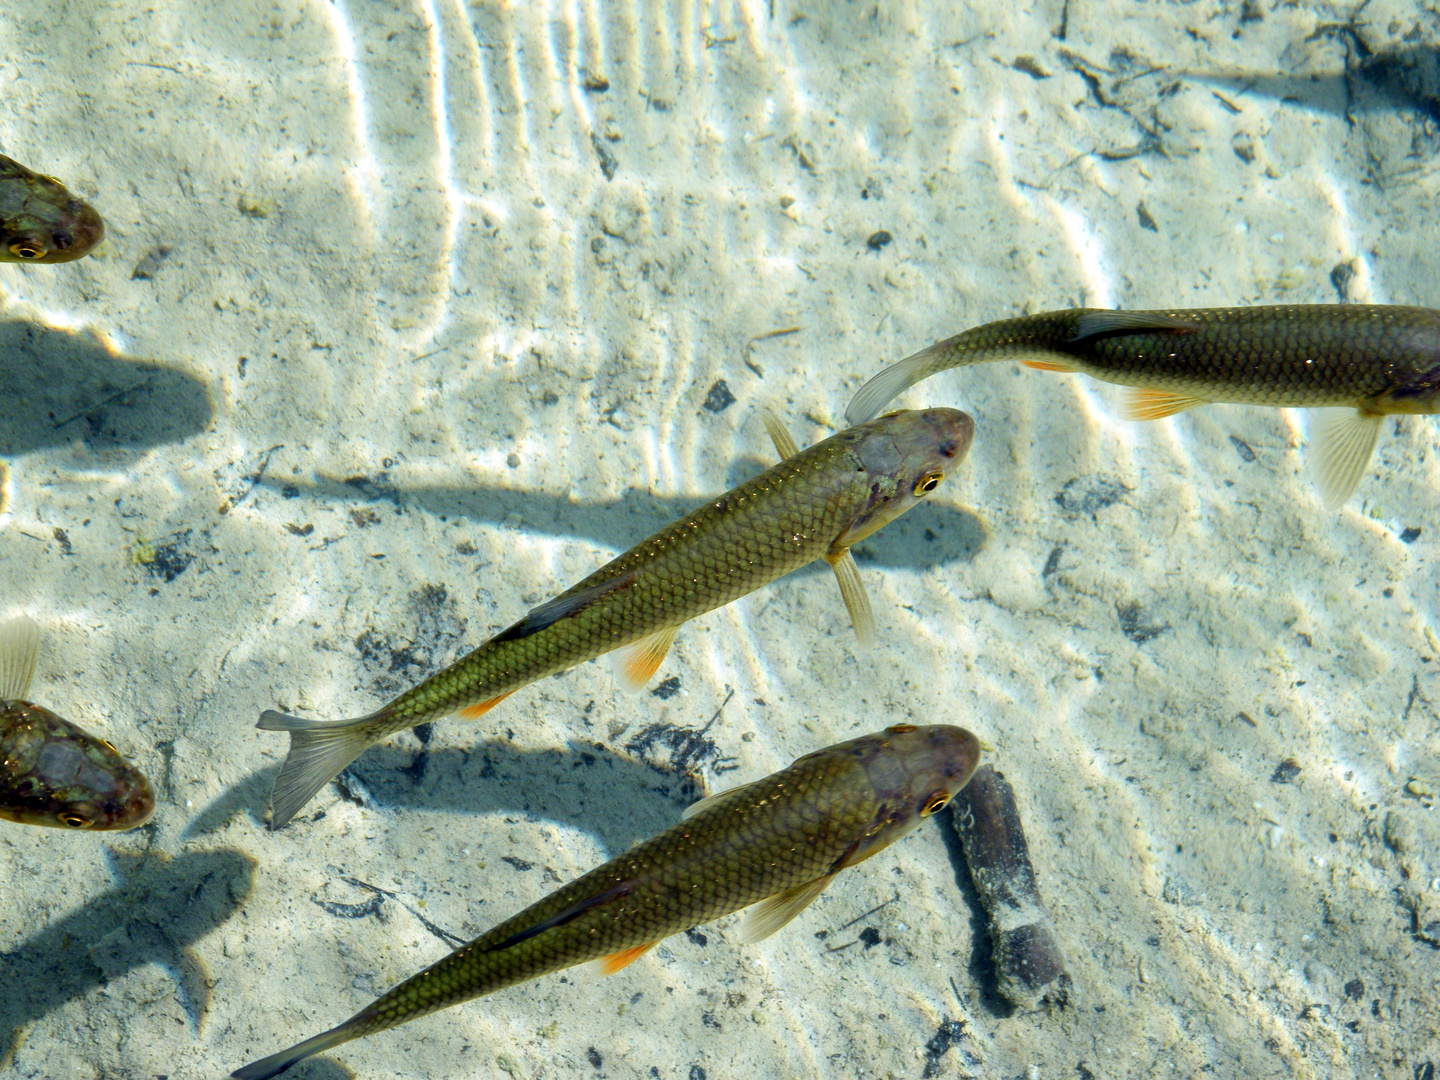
<point>40,221</point>
<point>53,772</point>
<point>1357,362</point>
<point>815,504</point>
<point>775,843</point>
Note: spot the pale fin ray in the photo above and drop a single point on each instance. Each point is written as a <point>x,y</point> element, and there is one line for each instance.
<point>856,599</point>
<point>19,646</point>
<point>773,912</point>
<point>609,965</point>
<point>1341,442</point>
<point>1150,403</point>
<point>891,383</point>
<point>636,662</point>
<point>784,445</point>
<point>319,749</point>
<point>711,801</point>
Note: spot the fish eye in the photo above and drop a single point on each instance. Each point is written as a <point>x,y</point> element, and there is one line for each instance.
<point>935,803</point>
<point>928,483</point>
<point>27,249</point>
<point>75,821</point>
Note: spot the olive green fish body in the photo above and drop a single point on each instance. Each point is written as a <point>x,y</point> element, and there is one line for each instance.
<point>783,837</point>
<point>40,221</point>
<point>812,505</point>
<point>53,772</point>
<point>1375,359</point>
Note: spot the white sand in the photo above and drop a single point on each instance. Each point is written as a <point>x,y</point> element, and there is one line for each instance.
<point>395,256</point>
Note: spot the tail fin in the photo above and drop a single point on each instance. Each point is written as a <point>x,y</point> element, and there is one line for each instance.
<point>276,1064</point>
<point>319,749</point>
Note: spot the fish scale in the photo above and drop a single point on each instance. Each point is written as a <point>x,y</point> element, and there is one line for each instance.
<point>814,504</point>
<point>778,840</point>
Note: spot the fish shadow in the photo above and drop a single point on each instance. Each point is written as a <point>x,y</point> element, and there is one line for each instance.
<point>59,386</point>
<point>615,797</point>
<point>930,535</point>
<point>162,906</point>
<point>981,965</point>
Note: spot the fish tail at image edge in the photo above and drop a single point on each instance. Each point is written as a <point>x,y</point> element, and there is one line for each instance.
<point>276,1064</point>
<point>319,749</point>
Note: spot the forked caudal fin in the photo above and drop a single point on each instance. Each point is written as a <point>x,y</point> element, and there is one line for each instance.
<point>276,1064</point>
<point>318,751</point>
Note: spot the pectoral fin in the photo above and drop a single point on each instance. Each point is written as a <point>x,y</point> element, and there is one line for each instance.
<point>784,444</point>
<point>773,912</point>
<point>609,965</point>
<point>636,662</point>
<point>1147,403</point>
<point>853,590</point>
<point>1341,442</point>
<point>19,644</point>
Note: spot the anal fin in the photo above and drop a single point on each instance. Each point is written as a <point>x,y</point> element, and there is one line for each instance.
<point>609,965</point>
<point>1341,442</point>
<point>773,912</point>
<point>856,600</point>
<point>480,708</point>
<point>636,662</point>
<point>1149,403</point>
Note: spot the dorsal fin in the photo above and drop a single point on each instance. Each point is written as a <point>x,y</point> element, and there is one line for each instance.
<point>1102,324</point>
<point>567,603</point>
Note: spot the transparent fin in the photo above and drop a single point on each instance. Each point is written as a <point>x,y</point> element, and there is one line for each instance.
<point>636,662</point>
<point>856,601</point>
<point>1341,442</point>
<point>479,709</point>
<point>885,387</point>
<point>609,965</point>
<point>19,645</point>
<point>711,801</point>
<point>319,749</point>
<point>1148,403</point>
<point>773,912</point>
<point>784,444</point>
<point>276,1064</point>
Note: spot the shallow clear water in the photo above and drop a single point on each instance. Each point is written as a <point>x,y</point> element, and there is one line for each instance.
<point>446,299</point>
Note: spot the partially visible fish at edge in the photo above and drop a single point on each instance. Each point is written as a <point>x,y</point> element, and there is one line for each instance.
<point>40,221</point>
<point>1369,360</point>
<point>815,504</point>
<point>775,843</point>
<point>53,772</point>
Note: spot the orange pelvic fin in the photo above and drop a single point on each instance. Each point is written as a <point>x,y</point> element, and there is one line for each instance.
<point>1048,365</point>
<point>636,662</point>
<point>474,712</point>
<point>609,965</point>
<point>1152,404</point>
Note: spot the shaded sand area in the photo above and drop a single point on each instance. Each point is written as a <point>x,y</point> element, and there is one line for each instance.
<point>411,315</point>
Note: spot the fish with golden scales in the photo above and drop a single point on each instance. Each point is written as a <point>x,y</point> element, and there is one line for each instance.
<point>816,504</point>
<point>40,221</point>
<point>775,844</point>
<point>1357,362</point>
<point>53,772</point>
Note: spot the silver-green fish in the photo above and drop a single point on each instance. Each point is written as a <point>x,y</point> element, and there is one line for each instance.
<point>775,843</point>
<point>40,221</point>
<point>1373,359</point>
<point>53,772</point>
<point>813,505</point>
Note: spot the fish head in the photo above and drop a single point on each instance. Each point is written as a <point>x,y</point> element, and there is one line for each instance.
<point>56,774</point>
<point>914,772</point>
<point>50,225</point>
<point>905,456</point>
